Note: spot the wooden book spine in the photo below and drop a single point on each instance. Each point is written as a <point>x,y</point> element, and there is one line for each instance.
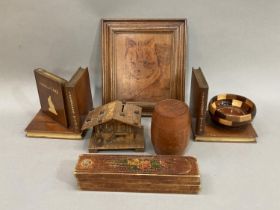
<point>198,101</point>
<point>201,115</point>
<point>73,110</point>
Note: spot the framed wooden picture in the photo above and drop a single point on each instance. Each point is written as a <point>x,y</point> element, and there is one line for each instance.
<point>143,61</point>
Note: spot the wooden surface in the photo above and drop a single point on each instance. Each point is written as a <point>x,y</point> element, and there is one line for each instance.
<point>198,100</point>
<point>143,61</point>
<point>43,126</point>
<point>170,128</point>
<point>51,94</point>
<point>218,133</point>
<point>135,173</point>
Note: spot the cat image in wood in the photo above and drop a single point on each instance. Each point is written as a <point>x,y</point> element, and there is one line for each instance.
<point>147,66</point>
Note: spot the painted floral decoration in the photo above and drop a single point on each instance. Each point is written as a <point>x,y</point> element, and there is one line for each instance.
<point>137,164</point>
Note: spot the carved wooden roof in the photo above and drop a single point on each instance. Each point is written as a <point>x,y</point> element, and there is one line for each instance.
<point>126,113</point>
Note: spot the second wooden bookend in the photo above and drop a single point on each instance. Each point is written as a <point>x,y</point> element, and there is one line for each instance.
<point>204,129</point>
<point>116,126</point>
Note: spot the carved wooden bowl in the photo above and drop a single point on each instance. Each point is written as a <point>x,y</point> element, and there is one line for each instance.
<point>231,110</point>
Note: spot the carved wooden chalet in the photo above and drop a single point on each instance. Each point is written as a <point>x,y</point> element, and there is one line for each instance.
<point>116,125</point>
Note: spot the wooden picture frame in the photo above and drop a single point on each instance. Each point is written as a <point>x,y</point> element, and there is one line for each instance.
<point>143,60</point>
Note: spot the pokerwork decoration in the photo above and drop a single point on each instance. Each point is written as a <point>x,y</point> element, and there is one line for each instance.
<point>143,61</point>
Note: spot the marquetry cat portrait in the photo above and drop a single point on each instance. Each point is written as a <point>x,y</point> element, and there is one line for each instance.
<point>144,72</point>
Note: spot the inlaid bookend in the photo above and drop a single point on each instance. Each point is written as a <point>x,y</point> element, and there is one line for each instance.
<point>135,173</point>
<point>116,126</point>
<point>64,105</point>
<point>204,129</point>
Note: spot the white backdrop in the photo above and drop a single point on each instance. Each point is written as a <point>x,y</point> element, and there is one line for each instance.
<point>236,43</point>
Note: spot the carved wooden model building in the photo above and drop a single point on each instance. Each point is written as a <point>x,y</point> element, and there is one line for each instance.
<point>116,125</point>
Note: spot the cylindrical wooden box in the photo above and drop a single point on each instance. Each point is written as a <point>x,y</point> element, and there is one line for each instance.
<point>170,129</point>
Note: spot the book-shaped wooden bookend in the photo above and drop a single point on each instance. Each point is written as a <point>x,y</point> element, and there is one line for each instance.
<point>204,129</point>
<point>64,105</point>
<point>116,126</point>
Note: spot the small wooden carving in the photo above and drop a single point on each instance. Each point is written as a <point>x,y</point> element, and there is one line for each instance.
<point>203,127</point>
<point>134,173</point>
<point>116,125</point>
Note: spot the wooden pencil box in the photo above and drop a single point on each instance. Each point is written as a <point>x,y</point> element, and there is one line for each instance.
<point>134,173</point>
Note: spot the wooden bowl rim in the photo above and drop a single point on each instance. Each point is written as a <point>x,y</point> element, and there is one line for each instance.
<point>242,119</point>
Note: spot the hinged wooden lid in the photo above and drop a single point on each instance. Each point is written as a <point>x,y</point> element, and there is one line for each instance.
<point>160,165</point>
